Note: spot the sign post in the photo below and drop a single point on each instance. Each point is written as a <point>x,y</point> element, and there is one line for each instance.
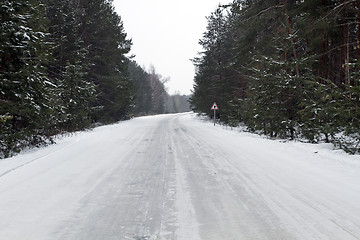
<point>214,107</point>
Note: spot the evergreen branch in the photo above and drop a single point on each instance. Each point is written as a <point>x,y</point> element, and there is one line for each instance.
<point>264,11</point>
<point>339,6</point>
<point>340,46</point>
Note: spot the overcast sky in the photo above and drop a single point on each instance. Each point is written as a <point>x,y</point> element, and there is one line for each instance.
<point>165,33</point>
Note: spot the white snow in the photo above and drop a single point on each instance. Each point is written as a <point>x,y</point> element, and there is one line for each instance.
<point>179,177</point>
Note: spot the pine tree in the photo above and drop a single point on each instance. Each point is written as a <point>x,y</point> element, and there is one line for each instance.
<point>209,65</point>
<point>332,55</point>
<point>68,69</point>
<point>143,89</point>
<point>216,80</point>
<point>102,33</point>
<point>321,119</point>
<point>25,100</point>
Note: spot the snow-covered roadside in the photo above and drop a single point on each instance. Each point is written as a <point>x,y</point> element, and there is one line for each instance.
<point>25,157</point>
<point>61,142</point>
<point>326,150</point>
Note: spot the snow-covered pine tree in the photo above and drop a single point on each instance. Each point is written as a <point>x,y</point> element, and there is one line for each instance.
<point>332,58</point>
<point>74,93</point>
<point>103,34</point>
<point>25,101</point>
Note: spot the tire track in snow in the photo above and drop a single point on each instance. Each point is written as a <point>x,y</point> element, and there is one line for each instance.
<point>288,204</point>
<point>186,214</point>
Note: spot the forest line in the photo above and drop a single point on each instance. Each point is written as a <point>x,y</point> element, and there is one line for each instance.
<point>284,68</point>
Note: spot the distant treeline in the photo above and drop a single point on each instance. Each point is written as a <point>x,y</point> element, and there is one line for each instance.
<point>63,67</point>
<point>151,95</point>
<point>285,68</point>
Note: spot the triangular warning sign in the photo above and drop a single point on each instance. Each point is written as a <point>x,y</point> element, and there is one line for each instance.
<point>214,107</point>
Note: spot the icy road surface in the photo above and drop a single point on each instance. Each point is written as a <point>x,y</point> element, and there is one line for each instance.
<point>177,177</point>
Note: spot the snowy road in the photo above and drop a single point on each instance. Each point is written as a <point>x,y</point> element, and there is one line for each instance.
<point>176,177</point>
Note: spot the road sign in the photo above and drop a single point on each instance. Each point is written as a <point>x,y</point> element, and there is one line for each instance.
<point>214,107</point>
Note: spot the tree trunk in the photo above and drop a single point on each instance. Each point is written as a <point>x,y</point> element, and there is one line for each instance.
<point>358,38</point>
<point>330,61</point>
<point>292,38</point>
<point>347,55</point>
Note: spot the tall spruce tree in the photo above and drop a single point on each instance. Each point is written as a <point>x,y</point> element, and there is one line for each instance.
<point>68,68</point>
<point>25,101</point>
<point>102,33</point>
<point>208,65</point>
<point>275,86</point>
<point>215,79</point>
<point>143,89</point>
